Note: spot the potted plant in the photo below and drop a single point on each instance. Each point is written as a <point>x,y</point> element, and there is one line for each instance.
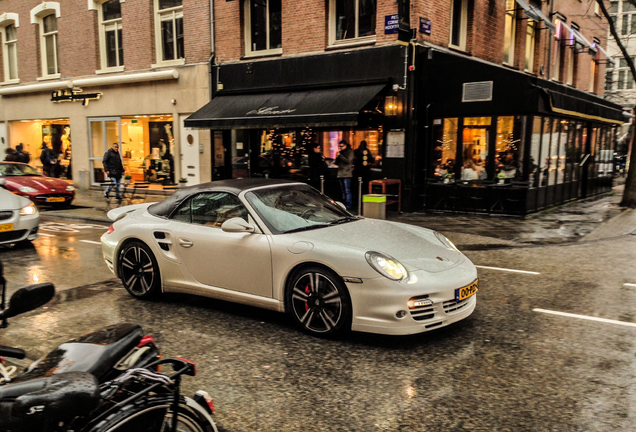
<point>183,182</point>
<point>502,178</point>
<point>127,178</point>
<point>447,177</point>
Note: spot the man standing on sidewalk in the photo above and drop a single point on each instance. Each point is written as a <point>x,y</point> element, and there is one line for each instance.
<point>114,169</point>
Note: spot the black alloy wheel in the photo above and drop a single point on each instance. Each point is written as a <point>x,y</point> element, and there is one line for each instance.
<point>139,271</point>
<point>318,301</point>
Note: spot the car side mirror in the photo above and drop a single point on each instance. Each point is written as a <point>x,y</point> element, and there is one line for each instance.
<point>341,205</point>
<point>28,298</point>
<point>237,225</point>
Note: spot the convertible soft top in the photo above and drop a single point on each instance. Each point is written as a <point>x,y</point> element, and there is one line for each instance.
<point>234,186</point>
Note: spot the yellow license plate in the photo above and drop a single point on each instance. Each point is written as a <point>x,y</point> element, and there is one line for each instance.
<point>56,199</point>
<point>467,291</point>
<point>6,227</point>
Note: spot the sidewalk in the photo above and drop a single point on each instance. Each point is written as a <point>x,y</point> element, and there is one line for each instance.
<point>591,219</point>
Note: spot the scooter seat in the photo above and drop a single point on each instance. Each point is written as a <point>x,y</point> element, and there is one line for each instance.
<point>95,352</point>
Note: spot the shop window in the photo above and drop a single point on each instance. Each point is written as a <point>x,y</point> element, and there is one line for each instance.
<point>578,150</point>
<point>112,50</point>
<point>544,160</point>
<point>509,146</point>
<point>475,139</point>
<point>535,147</point>
<point>510,28</point>
<point>169,31</point>
<point>563,128</point>
<point>570,152</point>
<point>459,24</point>
<point>263,30</point>
<point>10,52</point>
<point>352,20</point>
<point>445,148</point>
<point>530,44</point>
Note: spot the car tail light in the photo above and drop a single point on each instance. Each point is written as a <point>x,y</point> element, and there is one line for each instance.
<point>203,398</point>
<point>110,229</point>
<point>145,341</point>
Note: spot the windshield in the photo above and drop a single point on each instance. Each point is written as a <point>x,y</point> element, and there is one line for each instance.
<point>296,208</point>
<point>18,170</point>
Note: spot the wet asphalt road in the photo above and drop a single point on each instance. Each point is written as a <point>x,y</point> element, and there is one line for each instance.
<point>506,368</point>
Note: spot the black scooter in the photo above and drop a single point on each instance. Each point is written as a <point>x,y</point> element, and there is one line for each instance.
<point>68,389</point>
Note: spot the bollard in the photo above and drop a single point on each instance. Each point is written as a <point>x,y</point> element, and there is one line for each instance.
<point>322,184</point>
<point>359,196</point>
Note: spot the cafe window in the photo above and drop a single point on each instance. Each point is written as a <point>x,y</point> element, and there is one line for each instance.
<point>544,160</point>
<point>10,52</point>
<point>509,146</point>
<point>444,147</point>
<point>510,28</point>
<point>352,19</point>
<point>530,44</point>
<point>112,50</point>
<point>263,32</point>
<point>535,147</point>
<point>459,24</point>
<point>570,152</point>
<point>475,139</point>
<point>562,132</point>
<point>169,31</point>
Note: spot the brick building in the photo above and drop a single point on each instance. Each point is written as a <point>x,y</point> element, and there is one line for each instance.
<point>81,75</point>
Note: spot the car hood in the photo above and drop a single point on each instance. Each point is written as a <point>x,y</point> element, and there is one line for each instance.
<point>11,201</point>
<point>414,247</point>
<point>38,182</point>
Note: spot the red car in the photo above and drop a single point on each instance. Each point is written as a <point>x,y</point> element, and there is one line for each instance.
<point>23,179</point>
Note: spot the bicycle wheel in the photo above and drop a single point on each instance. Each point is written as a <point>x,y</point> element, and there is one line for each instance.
<point>155,414</point>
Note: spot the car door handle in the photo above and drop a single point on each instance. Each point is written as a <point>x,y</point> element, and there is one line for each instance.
<point>186,243</point>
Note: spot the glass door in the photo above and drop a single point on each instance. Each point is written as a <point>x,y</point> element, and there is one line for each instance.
<point>104,132</point>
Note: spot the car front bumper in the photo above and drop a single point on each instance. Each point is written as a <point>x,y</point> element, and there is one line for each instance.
<point>381,305</point>
<point>23,228</point>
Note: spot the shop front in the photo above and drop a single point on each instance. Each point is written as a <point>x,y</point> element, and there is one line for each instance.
<point>505,142</point>
<point>267,117</point>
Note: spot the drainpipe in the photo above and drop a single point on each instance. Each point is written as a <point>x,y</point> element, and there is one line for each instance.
<point>550,40</point>
<point>212,48</point>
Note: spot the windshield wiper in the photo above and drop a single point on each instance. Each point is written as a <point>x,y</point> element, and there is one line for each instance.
<point>305,228</point>
<point>344,220</point>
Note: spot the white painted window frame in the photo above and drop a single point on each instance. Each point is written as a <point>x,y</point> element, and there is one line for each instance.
<point>7,19</point>
<point>103,27</point>
<point>333,27</point>
<point>38,14</point>
<point>248,33</point>
<point>169,14</point>
<point>463,26</point>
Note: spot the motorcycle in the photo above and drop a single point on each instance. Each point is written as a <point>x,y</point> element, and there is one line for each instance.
<point>45,398</point>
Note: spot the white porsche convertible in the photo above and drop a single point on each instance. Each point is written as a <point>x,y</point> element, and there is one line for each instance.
<point>284,246</point>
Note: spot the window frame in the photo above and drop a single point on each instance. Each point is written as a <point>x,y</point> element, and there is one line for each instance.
<point>531,42</point>
<point>216,224</point>
<point>7,20</point>
<point>104,26</point>
<point>162,15</point>
<point>38,15</point>
<point>510,32</point>
<point>355,40</point>
<point>247,8</point>
<point>463,25</point>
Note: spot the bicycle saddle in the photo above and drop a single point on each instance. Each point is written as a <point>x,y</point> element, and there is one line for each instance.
<point>95,352</point>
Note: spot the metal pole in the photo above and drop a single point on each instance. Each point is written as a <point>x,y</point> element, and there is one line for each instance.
<point>322,184</point>
<point>359,196</point>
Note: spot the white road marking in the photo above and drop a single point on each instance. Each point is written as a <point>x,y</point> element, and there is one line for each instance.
<point>585,317</point>
<point>630,285</point>
<point>91,242</point>
<point>46,235</point>
<point>508,270</point>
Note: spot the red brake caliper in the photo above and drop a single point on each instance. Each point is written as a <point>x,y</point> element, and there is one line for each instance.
<point>307,291</point>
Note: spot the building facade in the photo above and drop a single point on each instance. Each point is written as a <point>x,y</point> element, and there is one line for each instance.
<point>80,75</point>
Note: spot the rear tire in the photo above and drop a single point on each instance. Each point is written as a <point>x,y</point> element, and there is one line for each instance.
<point>318,301</point>
<point>139,271</point>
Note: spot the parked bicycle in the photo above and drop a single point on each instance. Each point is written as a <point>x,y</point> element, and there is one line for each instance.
<point>97,384</point>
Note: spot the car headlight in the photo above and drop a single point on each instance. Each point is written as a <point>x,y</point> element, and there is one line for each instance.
<point>27,189</point>
<point>387,266</point>
<point>446,242</point>
<point>70,188</point>
<point>29,210</point>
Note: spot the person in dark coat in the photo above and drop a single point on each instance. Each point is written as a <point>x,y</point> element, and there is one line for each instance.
<point>11,155</point>
<point>316,165</point>
<point>362,164</point>
<point>22,155</point>
<point>114,169</point>
<point>47,158</point>
<point>344,160</point>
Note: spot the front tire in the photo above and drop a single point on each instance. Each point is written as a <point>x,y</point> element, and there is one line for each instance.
<point>318,301</point>
<point>139,271</point>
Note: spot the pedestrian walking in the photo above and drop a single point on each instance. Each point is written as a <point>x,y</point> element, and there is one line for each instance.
<point>316,165</point>
<point>344,160</point>
<point>47,159</point>
<point>114,169</point>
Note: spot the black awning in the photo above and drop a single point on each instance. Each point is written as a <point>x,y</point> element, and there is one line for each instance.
<point>314,108</point>
<point>573,106</point>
